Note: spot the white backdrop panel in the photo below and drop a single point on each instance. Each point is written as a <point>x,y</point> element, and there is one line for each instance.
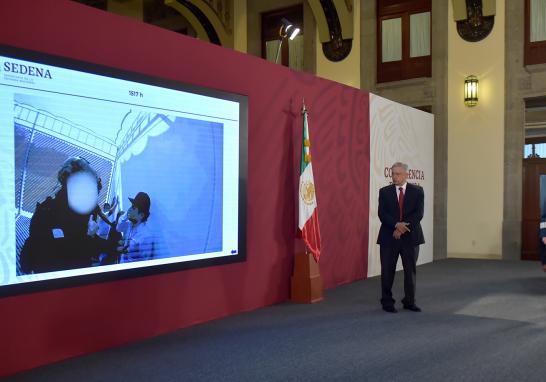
<point>400,133</point>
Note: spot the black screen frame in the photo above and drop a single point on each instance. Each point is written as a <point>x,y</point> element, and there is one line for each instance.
<point>123,74</point>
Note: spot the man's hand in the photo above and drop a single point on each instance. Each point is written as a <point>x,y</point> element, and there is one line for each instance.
<point>544,240</point>
<point>402,227</point>
<point>544,267</point>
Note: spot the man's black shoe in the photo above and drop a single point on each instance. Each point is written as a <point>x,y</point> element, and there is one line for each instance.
<point>413,308</point>
<point>389,309</point>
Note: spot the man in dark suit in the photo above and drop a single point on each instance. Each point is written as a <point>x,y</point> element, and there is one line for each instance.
<point>542,245</point>
<point>401,207</point>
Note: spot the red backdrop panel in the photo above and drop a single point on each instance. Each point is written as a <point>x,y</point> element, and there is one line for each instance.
<point>40,328</point>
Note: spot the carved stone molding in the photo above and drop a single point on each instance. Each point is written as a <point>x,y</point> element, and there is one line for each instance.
<point>475,27</point>
<point>337,48</point>
<point>212,19</point>
<point>222,9</point>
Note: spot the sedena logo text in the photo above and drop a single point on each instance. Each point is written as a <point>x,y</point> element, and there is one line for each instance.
<point>11,67</point>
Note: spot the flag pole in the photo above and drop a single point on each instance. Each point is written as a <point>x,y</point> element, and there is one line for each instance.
<point>306,282</point>
<point>303,112</point>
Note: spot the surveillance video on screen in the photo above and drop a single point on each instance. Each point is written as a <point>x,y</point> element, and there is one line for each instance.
<point>101,174</point>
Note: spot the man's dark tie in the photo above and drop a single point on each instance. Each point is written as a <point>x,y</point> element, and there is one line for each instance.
<point>401,202</point>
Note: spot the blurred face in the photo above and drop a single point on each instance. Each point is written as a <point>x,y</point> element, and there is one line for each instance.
<point>82,192</point>
<point>134,215</point>
<point>399,176</point>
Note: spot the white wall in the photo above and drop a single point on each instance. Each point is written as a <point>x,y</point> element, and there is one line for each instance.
<point>346,71</point>
<point>240,26</point>
<point>476,144</point>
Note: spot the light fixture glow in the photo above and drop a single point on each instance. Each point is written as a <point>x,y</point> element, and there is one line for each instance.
<point>295,32</point>
<point>286,30</point>
<point>471,91</point>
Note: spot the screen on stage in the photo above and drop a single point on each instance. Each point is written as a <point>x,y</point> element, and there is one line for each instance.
<point>107,174</point>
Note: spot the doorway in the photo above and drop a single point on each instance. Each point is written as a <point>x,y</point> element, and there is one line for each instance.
<point>534,177</point>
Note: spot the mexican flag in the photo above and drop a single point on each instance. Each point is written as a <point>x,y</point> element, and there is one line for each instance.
<point>308,211</point>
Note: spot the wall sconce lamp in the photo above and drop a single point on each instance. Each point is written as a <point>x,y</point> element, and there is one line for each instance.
<point>471,91</point>
<point>289,30</point>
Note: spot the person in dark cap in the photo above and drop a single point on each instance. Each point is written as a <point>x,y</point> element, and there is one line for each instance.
<point>60,234</point>
<point>137,243</point>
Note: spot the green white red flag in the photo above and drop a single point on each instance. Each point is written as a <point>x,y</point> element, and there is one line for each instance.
<point>308,211</point>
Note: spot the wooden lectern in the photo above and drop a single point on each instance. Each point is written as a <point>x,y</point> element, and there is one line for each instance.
<point>306,283</point>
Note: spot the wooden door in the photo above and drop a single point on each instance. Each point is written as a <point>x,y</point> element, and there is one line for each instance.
<point>530,217</point>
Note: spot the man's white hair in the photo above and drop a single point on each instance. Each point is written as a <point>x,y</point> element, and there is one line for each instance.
<point>401,165</point>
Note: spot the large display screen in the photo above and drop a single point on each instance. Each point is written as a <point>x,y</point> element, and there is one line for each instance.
<point>108,174</point>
